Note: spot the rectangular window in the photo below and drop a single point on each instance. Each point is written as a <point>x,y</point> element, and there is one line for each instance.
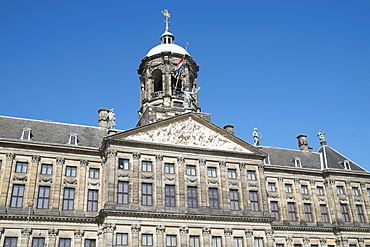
<point>307,211</point>
<point>89,243</point>
<point>170,195</point>
<point>147,240</point>
<point>258,242</point>
<point>324,213</point>
<point>71,171</point>
<point>123,164</point>
<point>147,195</point>
<point>360,213</point>
<point>216,241</point>
<point>38,242</point>
<point>368,192</point>
<point>304,189</point>
<point>93,173</point>
<point>282,245</point>
<point>190,170</point>
<point>17,196</point>
<point>68,199</point>
<point>212,172</point>
<point>355,191</point>
<point>251,175</point>
<point>288,188</point>
<point>146,166</point>
<point>10,242</point>
<point>92,200</point>
<point>344,211</point>
<point>122,192</point>
<point>169,168</point>
<point>274,210</point>
<point>192,197</point>
<point>238,242</point>
<point>340,190</point>
<point>253,198</point>
<point>213,198</point>
<point>291,211</point>
<point>231,173</point>
<point>194,241</point>
<point>271,187</point>
<point>64,242</point>
<point>320,190</point>
<point>234,200</point>
<point>21,167</point>
<point>170,240</point>
<point>43,197</point>
<point>46,169</point>
<point>121,239</point>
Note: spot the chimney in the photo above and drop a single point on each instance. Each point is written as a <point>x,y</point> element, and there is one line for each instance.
<point>103,120</point>
<point>229,128</point>
<point>302,143</point>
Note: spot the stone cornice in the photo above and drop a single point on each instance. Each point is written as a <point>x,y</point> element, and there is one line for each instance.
<point>320,229</point>
<point>48,218</point>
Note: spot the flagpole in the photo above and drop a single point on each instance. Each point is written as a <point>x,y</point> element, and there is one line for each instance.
<point>178,76</point>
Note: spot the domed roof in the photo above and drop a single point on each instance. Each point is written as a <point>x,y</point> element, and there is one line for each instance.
<point>167,47</point>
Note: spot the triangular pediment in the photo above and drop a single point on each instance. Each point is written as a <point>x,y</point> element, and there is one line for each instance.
<point>188,130</point>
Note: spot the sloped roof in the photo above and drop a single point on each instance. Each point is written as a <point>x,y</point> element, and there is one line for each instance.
<point>51,132</point>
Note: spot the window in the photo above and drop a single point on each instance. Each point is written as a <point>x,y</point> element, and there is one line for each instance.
<point>68,199</point>
<point>64,242</point>
<point>346,165</point>
<point>360,213</point>
<point>271,187</point>
<point>10,242</point>
<point>238,242</point>
<point>146,166</point>
<point>190,170</point>
<point>123,164</point>
<point>368,192</point>
<point>43,198</point>
<point>93,173</point>
<point>194,241</point>
<point>121,239</point>
<point>282,245</point>
<point>266,160</point>
<point>258,242</point>
<point>216,241</point>
<point>288,188</point>
<point>304,189</point>
<point>212,172</point>
<point>147,240</point>
<point>90,243</point>
<point>297,162</point>
<point>170,240</point>
<point>72,139</point>
<point>344,211</point>
<point>92,200</point>
<point>169,168</point>
<point>192,197</point>
<point>307,211</point>
<point>320,190</point>
<point>26,134</point>
<point>251,175</point>
<point>170,195</point>
<point>46,169</point>
<point>340,190</point>
<point>17,196</point>
<point>231,173</point>
<point>71,171</point>
<point>122,192</point>
<point>147,195</point>
<point>291,211</point>
<point>234,200</point>
<point>253,198</point>
<point>21,167</point>
<point>274,210</point>
<point>213,198</point>
<point>324,213</point>
<point>355,191</point>
<point>38,242</point>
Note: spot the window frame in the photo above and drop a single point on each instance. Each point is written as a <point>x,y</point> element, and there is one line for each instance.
<point>64,242</point>
<point>251,175</point>
<point>340,190</point>
<point>274,207</point>
<point>43,197</point>
<point>271,186</point>
<point>17,199</point>
<point>234,199</point>
<point>355,191</point>
<point>170,195</point>
<point>94,173</point>
<point>194,241</point>
<point>192,197</point>
<point>147,239</point>
<point>146,195</point>
<point>123,192</point>
<point>212,172</point>
<point>92,200</point>
<point>191,170</point>
<point>10,241</point>
<point>292,212</point>
<point>216,241</point>
<point>122,239</point>
<point>308,212</point>
<point>288,188</point>
<point>38,242</point>
<point>147,166</point>
<point>253,200</point>
<point>68,199</point>
<point>213,198</point>
<point>231,174</point>
<point>71,171</point>
<point>21,167</point>
<point>344,212</point>
<point>46,169</point>
<point>171,240</point>
<point>360,213</point>
<point>324,213</point>
<point>238,241</point>
<point>123,164</point>
<point>320,190</point>
<point>169,168</point>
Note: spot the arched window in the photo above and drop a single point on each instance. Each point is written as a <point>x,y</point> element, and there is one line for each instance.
<point>176,84</point>
<point>157,80</point>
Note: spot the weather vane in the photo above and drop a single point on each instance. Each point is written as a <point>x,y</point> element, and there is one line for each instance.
<point>167,15</point>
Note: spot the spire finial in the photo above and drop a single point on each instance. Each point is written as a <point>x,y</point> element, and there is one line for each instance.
<point>167,15</point>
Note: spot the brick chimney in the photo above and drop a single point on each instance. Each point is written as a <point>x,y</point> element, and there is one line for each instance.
<point>302,143</point>
<point>103,120</point>
<point>229,128</point>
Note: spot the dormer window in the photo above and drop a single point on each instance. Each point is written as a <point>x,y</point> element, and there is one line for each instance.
<point>266,161</point>
<point>72,139</point>
<point>346,165</point>
<point>26,134</point>
<point>297,162</point>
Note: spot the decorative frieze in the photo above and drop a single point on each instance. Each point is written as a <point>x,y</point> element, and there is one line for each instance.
<point>189,180</point>
<point>124,175</point>
<point>261,167</point>
<point>169,179</point>
<point>280,179</point>
<point>180,160</point>
<point>312,182</point>
<point>306,240</point>
<point>297,180</point>
<point>242,165</point>
<point>249,232</point>
<point>147,176</point>
<point>233,183</point>
<point>94,183</point>
<point>20,178</point>
<point>329,182</point>
<point>46,180</point>
<point>323,242</point>
<point>213,182</point>
<point>70,182</point>
<point>289,240</point>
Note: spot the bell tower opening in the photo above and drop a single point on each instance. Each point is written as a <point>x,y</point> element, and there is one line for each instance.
<point>157,81</point>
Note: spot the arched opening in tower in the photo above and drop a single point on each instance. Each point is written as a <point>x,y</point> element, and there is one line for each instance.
<point>176,84</point>
<point>157,80</point>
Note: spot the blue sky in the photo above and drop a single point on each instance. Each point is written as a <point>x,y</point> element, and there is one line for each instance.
<point>284,66</point>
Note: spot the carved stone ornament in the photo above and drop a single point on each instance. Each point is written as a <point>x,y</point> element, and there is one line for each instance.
<point>322,241</point>
<point>213,182</point>
<point>253,185</point>
<point>180,160</point>
<point>136,156</point>
<point>147,176</point>
<point>273,195</point>
<point>329,182</point>
<point>342,198</point>
<point>188,133</point>
<point>306,240</point>
<point>261,168</point>
<point>306,198</point>
<point>135,228</point>
<point>78,233</point>
<point>26,232</point>
<point>184,230</point>
<point>322,198</point>
<point>360,240</point>
<point>228,231</point>
<point>206,231</point>
<point>19,178</point>
<point>110,153</point>
<point>222,163</point>
<point>36,158</point>
<point>46,180</point>
<point>242,165</point>
<point>280,179</point>
<point>289,239</point>
<point>84,163</point>
<point>189,180</point>
<point>249,232</point>
<point>159,157</point>
<point>312,182</point>
<point>290,196</point>
<point>233,183</point>
<point>202,162</point>
<point>53,232</point>
<point>60,160</point>
<point>10,156</point>
<point>363,184</point>
<point>297,181</point>
<point>169,179</point>
<point>70,182</point>
<point>109,227</point>
<point>160,229</point>
<point>269,233</point>
<point>124,175</point>
<point>348,183</point>
<point>94,184</point>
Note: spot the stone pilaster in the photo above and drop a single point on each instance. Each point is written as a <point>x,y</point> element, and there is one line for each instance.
<point>306,242</point>
<point>299,202</point>
<point>206,231</point>
<point>203,183</point>
<point>25,238</point>
<point>351,203</point>
<point>135,230</point>
<point>108,230</point>
<point>289,241</point>
<point>361,242</point>
<point>159,180</point>
<point>224,195</point>
<point>110,185</point>
<point>269,238</point>
<point>135,179</point>
<point>184,232</point>
<point>228,237</point>
<point>160,230</point>
<point>249,237</point>
<point>333,205</point>
<point>323,242</point>
<point>282,203</point>
<point>78,234</point>
<point>366,210</point>
<point>53,234</point>
<point>181,182</point>
<point>6,171</point>
<point>243,189</point>
<point>263,191</point>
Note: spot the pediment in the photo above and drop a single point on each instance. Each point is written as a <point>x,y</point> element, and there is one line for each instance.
<point>188,131</point>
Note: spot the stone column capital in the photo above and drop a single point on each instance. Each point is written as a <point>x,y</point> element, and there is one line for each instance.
<point>79,233</point>
<point>53,232</point>
<point>60,160</point>
<point>10,156</point>
<point>249,232</point>
<point>26,232</point>
<point>206,231</point>
<point>222,163</point>
<point>135,228</point>
<point>228,231</point>
<point>136,156</point>
<point>109,227</point>
<point>159,157</point>
<point>184,230</point>
<point>35,158</point>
